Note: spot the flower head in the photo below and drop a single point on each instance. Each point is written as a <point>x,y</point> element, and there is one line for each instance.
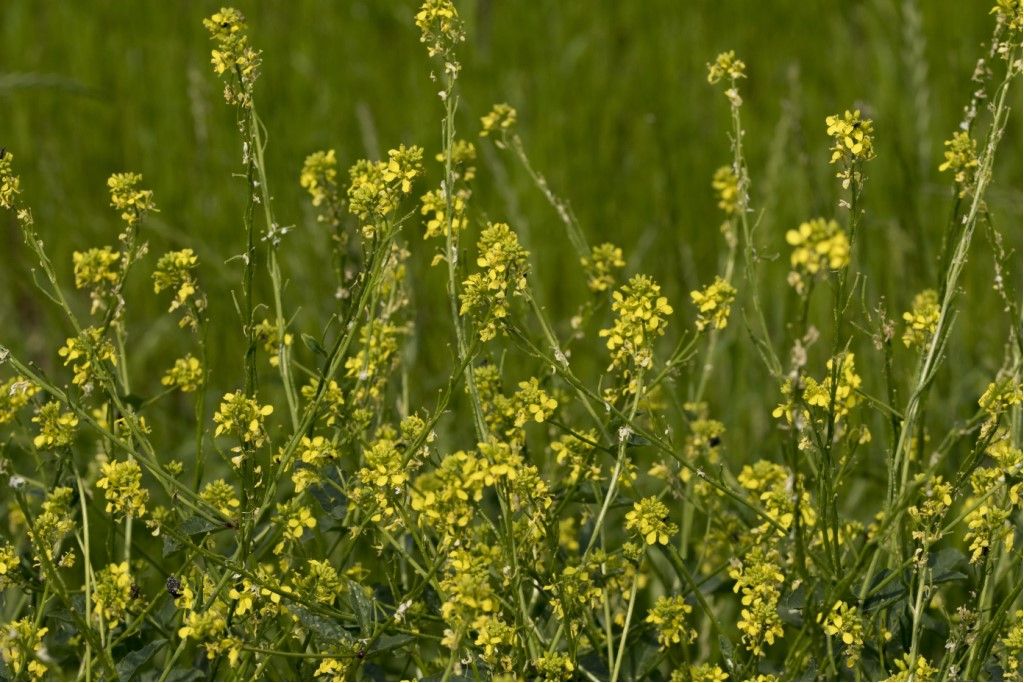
<point>232,57</point>
<point>604,260</point>
<point>714,303</point>
<point>922,319</point>
<point>127,197</point>
<point>668,616</point>
<point>649,520</point>
<point>122,480</point>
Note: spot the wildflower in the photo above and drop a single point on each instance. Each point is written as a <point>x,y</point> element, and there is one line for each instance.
<point>176,270</point>
<point>332,402</point>
<point>554,666</point>
<point>1010,13</point>
<point>321,582</point>
<point>819,245</point>
<point>9,565</point>
<point>10,184</point>
<point>601,265</point>
<point>186,374</point>
<point>961,157</point>
<point>274,342</point>
<point>463,155</point>
<point>128,198</point>
<point>54,522</point>
<point>1010,646</point>
<point>122,483</point>
<point>319,177</point>
<point>15,394</point>
<point>852,137</point>
<point>333,669</point>
<point>536,404</point>
<point>668,616</point>
<point>641,318</point>
<point>701,672</point>
<point>440,26</point>
<point>845,397</point>
<point>987,525</point>
<point>727,188</point>
<point>929,512</point>
<point>845,622</point>
<point>383,476</point>
<point>772,484</point>
<point>504,264</point>
<point>293,519</point>
<point>574,594</point>
<point>56,428</point>
<point>95,271</point>
<point>577,455</point>
<point>376,186</point>
<point>922,319</point>
<point>433,205</point>
<point>713,304</point>
<point>493,635</point>
<point>759,577</point>
<point>1000,396</point>
<point>85,352</point>
<point>233,55</point>
<point>500,119</point>
<point>726,65</point>
<point>207,626</point>
<point>112,595</point>
<point>906,670</point>
<point>22,648</point>
<point>242,417</point>
<point>222,496</point>
<point>852,144</point>
<point>371,364</point>
<point>649,519</point>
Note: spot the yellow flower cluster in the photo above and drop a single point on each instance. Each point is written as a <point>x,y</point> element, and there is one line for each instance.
<point>433,206</point>
<point>907,670</point>
<point>922,319</point>
<point>987,526</point>
<point>233,55</point>
<point>127,197</point>
<point>818,245</point>
<point>577,456</point>
<point>314,453</point>
<point>649,520</point>
<point>113,595</point>
<point>383,478</point>
<point>22,648</point>
<point>84,352</point>
<point>554,666</point>
<point>242,417</point>
<point>15,393</point>
<point>573,594</point>
<point>772,484</point>
<point>222,496</point>
<point>95,270</point>
<point>1011,646</point>
<point>930,511</point>
<point>375,187</point>
<point>54,522</point>
<point>701,672</point>
<point>10,184</point>
<point>819,394</point>
<point>186,374</point>
<point>9,564</point>
<point>319,177</point>
<point>536,404</point>
<point>371,364</point>
<point>759,577</point>
<point>486,294</point>
<point>293,519</point>
<point>961,157</point>
<point>714,304</point>
<point>845,622</point>
<point>668,616</point>
<point>641,318</point>
<point>440,27</point>
<point>601,266</point>
<point>56,428</point>
<point>852,137</point>
<point>176,270</point>
<point>726,65</point>
<point>1010,13</point>
<point>726,185</point>
<point>500,119</point>
<point>122,481</point>
<point>493,636</point>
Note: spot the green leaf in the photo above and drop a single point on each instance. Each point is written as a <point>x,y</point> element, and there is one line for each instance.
<point>361,605</point>
<point>130,664</point>
<point>190,527</point>
<point>322,628</point>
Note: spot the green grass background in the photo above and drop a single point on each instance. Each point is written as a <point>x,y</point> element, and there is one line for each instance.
<point>614,109</point>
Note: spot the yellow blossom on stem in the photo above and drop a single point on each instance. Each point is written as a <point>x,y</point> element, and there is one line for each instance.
<point>649,520</point>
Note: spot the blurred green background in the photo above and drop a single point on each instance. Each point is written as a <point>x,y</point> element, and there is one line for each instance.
<point>614,110</point>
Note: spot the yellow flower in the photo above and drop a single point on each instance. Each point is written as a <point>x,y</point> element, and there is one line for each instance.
<point>112,595</point>
<point>649,520</point>
<point>440,26</point>
<point>714,303</point>
<point>668,616</point>
<point>128,198</point>
<point>85,352</point>
<point>727,188</point>
<point>242,417</point>
<point>123,483</point>
<point>15,394</point>
<point>818,245</point>
<point>601,265</point>
<point>922,319</point>
<point>10,184</point>
<point>845,622</point>
<point>56,429</point>
<point>186,375</point>
<point>500,119</point>
<point>233,55</point>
